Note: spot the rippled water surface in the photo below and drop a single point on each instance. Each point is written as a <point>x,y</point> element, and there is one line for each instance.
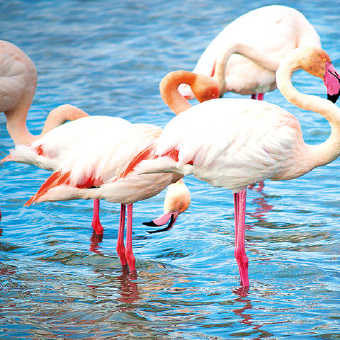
<point>58,281</point>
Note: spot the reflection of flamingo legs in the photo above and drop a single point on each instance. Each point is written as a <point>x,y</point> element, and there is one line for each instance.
<point>95,240</point>
<point>129,289</point>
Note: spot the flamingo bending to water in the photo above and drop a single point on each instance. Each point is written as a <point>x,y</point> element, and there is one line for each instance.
<point>244,57</point>
<point>236,142</point>
<point>18,82</point>
<point>90,170</point>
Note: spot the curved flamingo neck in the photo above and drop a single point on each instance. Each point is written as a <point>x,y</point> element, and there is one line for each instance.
<point>169,91</point>
<point>61,115</point>
<point>17,128</point>
<point>329,150</point>
<point>257,57</point>
<point>203,87</point>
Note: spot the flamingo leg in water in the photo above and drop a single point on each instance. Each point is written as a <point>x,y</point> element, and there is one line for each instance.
<point>240,253</point>
<point>128,251</point>
<point>120,242</point>
<point>96,225</point>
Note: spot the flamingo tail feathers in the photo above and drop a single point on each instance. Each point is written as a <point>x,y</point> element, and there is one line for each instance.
<point>56,179</point>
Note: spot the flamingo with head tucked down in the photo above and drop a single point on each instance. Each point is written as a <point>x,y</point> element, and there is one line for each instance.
<point>18,82</point>
<point>244,57</point>
<point>91,169</point>
<point>236,142</point>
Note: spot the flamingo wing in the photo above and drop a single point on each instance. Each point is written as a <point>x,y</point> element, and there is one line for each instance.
<point>230,142</point>
<point>96,162</point>
<point>47,151</point>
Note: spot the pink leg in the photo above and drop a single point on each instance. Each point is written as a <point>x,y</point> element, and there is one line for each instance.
<point>96,225</point>
<point>128,252</point>
<point>120,241</point>
<point>240,252</point>
<point>254,96</point>
<point>260,96</point>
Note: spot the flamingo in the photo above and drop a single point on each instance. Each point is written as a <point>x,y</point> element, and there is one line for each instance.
<point>233,143</point>
<point>90,169</point>
<point>244,57</point>
<point>18,83</point>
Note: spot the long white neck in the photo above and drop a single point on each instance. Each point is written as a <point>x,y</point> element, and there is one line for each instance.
<point>329,150</point>
<point>257,57</point>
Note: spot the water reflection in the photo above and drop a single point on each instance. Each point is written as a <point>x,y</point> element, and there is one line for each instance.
<point>94,243</point>
<point>262,207</point>
<point>246,318</point>
<point>128,286</point>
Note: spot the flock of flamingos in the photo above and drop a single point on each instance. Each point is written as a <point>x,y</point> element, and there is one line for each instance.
<point>230,143</point>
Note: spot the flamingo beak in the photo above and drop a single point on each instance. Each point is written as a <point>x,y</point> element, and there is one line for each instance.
<point>332,82</point>
<point>168,227</point>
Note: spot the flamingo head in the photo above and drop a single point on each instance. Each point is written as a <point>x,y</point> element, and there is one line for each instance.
<point>318,63</point>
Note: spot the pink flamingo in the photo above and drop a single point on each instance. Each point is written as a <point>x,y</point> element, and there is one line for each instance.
<point>244,57</point>
<point>90,169</point>
<point>236,142</point>
<point>18,83</point>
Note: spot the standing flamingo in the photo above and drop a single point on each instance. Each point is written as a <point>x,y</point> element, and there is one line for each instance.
<point>236,142</point>
<point>89,170</point>
<point>244,57</point>
<point>18,82</point>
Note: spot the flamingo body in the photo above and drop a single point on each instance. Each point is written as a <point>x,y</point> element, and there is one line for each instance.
<point>239,143</point>
<point>90,169</point>
<point>233,143</point>
<point>273,31</point>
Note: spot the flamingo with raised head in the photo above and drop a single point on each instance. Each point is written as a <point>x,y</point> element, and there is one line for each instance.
<point>244,57</point>
<point>90,169</point>
<point>233,143</point>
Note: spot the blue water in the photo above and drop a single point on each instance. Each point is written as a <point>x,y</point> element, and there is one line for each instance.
<point>57,281</point>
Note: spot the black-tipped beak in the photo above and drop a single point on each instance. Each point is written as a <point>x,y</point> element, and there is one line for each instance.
<point>332,82</point>
<point>150,224</point>
<point>333,97</point>
<point>168,227</point>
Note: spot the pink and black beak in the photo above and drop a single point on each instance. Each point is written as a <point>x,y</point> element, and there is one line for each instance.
<point>332,82</point>
<point>171,217</point>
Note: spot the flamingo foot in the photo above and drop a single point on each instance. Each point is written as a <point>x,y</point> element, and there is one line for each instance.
<point>121,254</point>
<point>242,262</point>
<point>131,261</point>
<point>96,225</point>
